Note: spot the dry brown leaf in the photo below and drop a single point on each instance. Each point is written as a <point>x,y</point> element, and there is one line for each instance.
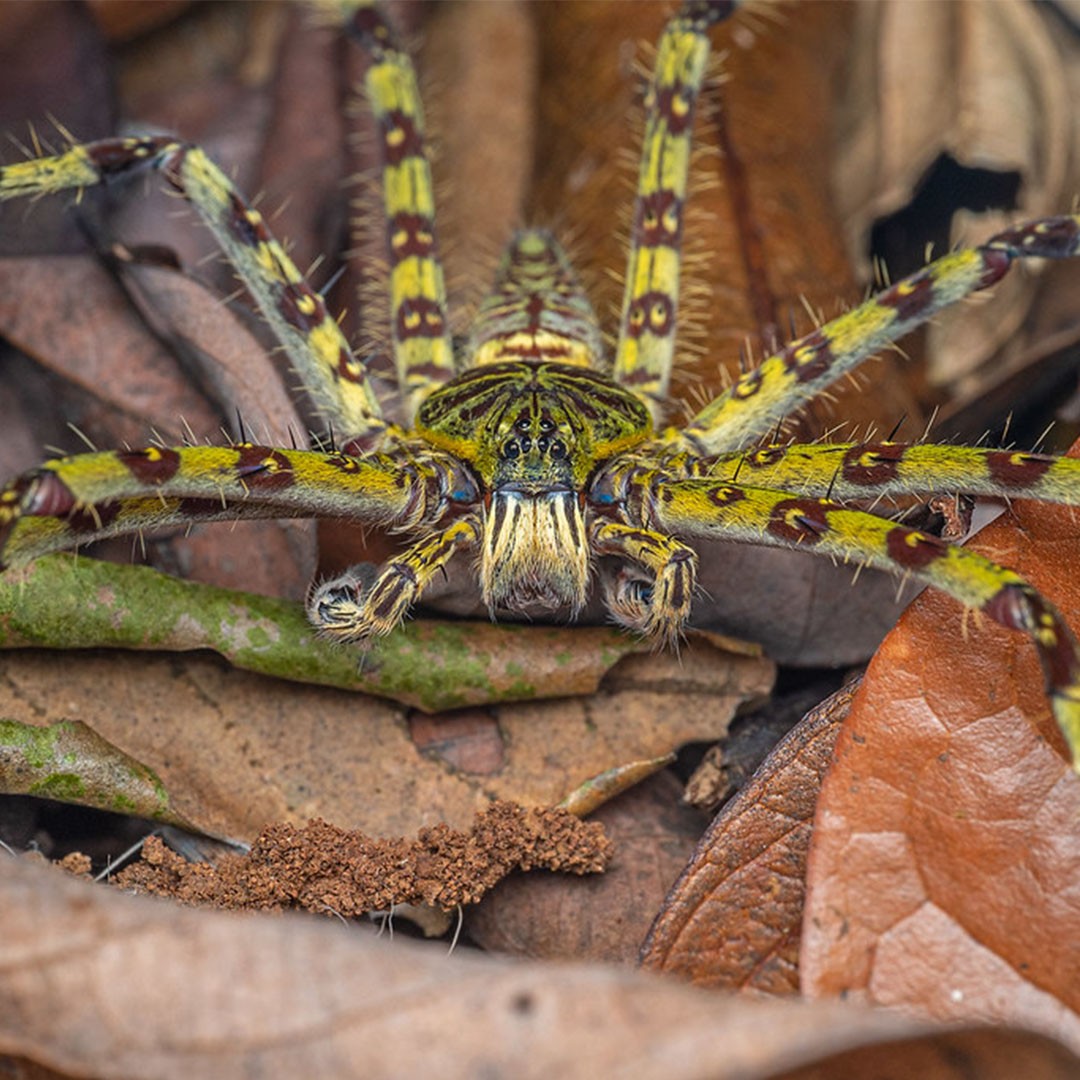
<point>147,990</point>
<point>946,855</point>
<point>732,921</point>
<point>986,84</point>
<point>602,918</point>
<point>235,750</point>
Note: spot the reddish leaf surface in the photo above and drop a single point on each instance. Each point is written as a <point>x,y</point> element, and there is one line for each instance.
<point>732,920</point>
<point>95,983</point>
<point>944,876</point>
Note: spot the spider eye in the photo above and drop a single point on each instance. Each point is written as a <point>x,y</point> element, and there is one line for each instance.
<point>510,449</point>
<point>526,444</point>
<point>558,448</point>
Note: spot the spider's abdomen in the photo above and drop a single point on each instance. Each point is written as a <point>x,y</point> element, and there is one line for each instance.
<point>533,427</point>
<point>536,309</point>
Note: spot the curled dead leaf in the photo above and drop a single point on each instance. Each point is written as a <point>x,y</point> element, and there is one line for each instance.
<point>733,918</point>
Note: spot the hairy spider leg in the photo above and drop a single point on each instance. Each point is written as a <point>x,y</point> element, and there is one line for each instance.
<point>345,609</point>
<point>334,377</point>
<point>419,328</point>
<point>660,610</point>
<point>761,398</point>
<point>648,319</point>
<point>719,511</point>
<point>871,469</point>
<point>73,500</point>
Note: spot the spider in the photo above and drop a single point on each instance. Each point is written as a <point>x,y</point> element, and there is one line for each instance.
<point>525,447</point>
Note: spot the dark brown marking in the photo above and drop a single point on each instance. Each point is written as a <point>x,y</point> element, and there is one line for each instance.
<point>114,157</point>
<point>247,232</point>
<point>289,298</point>
<point>766,456</point>
<point>808,358</point>
<point>152,465</point>
<point>410,144</point>
<point>677,121</point>
<point>418,316</point>
<point>410,235</point>
<point>349,368</point>
<point>1055,238</point>
<point>723,495</point>
<point>1017,470</point>
<point>263,469</point>
<point>910,298</point>
<point>1021,608</point>
<point>872,464</point>
<point>659,219</point>
<point>799,521</point>
<point>912,549</point>
<point>652,311</point>
<point>746,386</point>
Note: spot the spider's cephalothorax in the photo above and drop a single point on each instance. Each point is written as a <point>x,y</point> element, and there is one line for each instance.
<point>527,448</point>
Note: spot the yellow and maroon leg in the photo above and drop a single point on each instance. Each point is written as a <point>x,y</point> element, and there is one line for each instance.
<point>658,607</point>
<point>74,500</point>
<point>420,331</point>
<point>764,397</point>
<point>715,510</point>
<point>872,469</point>
<point>350,608</point>
<point>336,380</point>
<point>647,321</point>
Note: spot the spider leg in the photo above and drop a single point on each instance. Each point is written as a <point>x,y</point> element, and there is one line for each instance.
<point>647,321</point>
<point>423,352</point>
<point>345,610</point>
<point>868,470</point>
<point>707,508</point>
<point>73,500</point>
<point>662,610</point>
<point>756,401</point>
<point>336,380</point>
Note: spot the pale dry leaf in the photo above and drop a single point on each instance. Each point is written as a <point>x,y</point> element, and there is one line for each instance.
<point>150,991</point>
<point>235,750</point>
<point>985,84</point>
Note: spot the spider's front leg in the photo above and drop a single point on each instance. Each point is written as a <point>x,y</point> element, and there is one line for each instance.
<point>351,608</point>
<point>726,511</point>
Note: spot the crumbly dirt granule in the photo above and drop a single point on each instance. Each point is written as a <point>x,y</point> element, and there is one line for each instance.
<point>322,868</point>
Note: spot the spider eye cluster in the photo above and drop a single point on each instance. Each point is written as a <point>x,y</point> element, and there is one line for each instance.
<point>530,434</point>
